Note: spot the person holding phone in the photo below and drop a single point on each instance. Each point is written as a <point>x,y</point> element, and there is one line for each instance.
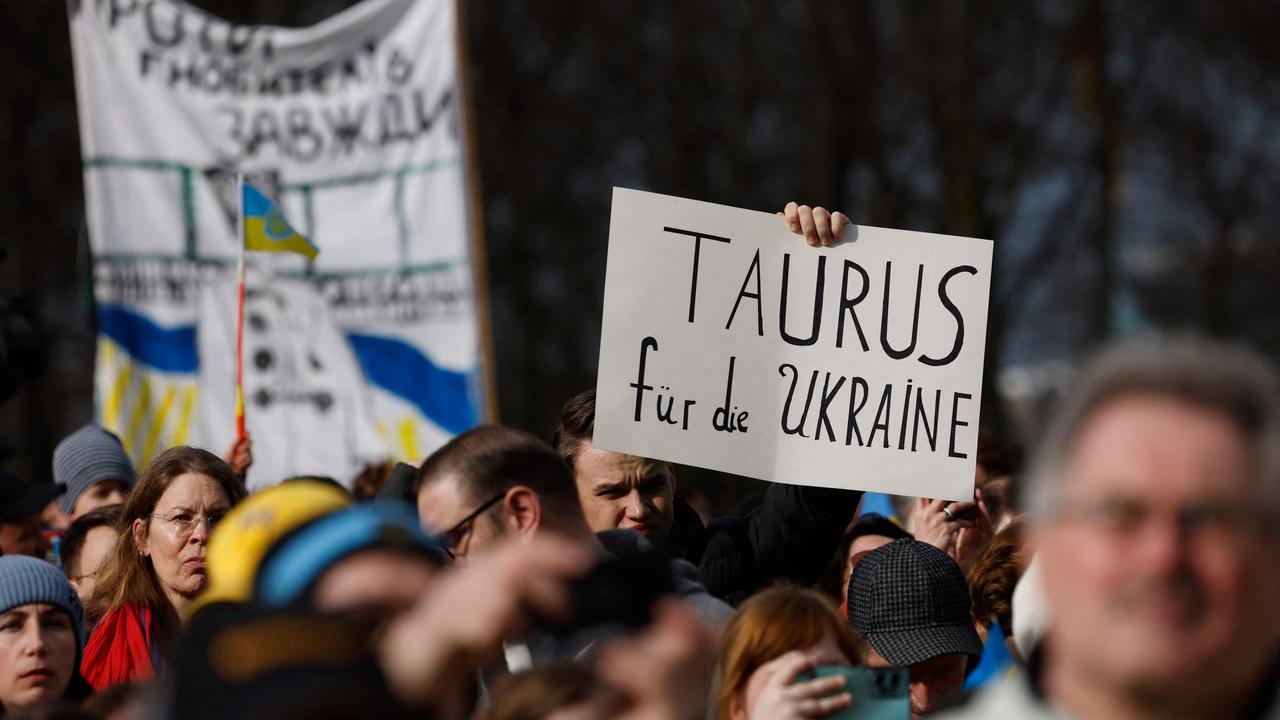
<point>774,638</point>
<point>908,601</point>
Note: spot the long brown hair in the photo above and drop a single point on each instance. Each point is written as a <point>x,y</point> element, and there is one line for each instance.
<point>770,624</point>
<point>127,578</point>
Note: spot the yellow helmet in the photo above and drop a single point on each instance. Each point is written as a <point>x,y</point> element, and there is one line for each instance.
<point>242,538</point>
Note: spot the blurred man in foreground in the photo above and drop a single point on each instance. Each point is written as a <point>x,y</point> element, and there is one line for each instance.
<point>1157,493</point>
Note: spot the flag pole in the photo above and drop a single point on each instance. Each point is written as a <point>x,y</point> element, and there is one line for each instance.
<point>475,216</point>
<point>240,430</point>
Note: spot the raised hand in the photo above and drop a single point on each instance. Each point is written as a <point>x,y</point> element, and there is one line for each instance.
<point>782,698</point>
<point>818,226</point>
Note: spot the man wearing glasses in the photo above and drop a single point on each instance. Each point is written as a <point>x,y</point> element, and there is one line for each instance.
<point>491,482</point>
<point>1157,495</point>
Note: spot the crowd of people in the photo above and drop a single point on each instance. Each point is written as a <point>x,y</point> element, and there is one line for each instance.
<point>1130,570</point>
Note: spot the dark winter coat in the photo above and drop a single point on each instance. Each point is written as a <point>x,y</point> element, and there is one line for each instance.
<point>788,533</point>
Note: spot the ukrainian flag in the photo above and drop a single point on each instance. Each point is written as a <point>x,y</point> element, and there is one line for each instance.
<point>265,228</point>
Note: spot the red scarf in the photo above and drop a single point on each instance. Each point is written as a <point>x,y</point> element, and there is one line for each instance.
<point>120,648</point>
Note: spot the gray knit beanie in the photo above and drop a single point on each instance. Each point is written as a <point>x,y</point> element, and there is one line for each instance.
<point>26,580</point>
<point>87,456</point>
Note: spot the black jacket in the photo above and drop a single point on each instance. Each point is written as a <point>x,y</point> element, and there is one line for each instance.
<point>790,534</point>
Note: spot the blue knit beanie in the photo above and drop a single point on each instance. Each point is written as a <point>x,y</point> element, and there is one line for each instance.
<point>298,560</point>
<point>87,456</point>
<point>25,580</point>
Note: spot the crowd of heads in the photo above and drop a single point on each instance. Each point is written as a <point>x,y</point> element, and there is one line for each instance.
<point>1130,571</point>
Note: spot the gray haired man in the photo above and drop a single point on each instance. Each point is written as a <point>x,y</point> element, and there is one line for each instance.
<point>1157,493</point>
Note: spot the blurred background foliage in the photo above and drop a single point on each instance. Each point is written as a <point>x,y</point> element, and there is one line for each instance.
<point>1120,153</point>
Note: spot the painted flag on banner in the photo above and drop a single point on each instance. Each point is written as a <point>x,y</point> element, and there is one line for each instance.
<point>266,230</point>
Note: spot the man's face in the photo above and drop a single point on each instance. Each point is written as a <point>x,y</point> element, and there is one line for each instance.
<point>931,680</point>
<point>99,494</point>
<point>625,491</point>
<point>442,506</point>
<point>23,537</point>
<point>1158,563</point>
<point>97,543</point>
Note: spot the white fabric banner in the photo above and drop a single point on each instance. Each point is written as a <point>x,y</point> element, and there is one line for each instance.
<point>729,344</point>
<point>369,352</point>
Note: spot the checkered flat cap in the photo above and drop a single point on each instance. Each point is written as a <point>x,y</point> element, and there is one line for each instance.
<point>909,600</point>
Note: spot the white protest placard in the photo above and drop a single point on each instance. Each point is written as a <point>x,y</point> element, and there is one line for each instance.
<point>727,343</point>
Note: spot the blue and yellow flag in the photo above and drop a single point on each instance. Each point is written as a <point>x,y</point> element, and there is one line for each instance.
<point>265,228</point>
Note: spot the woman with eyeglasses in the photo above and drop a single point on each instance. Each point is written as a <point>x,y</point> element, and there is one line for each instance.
<point>157,565</point>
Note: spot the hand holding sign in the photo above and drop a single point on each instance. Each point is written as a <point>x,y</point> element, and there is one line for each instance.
<point>818,226</point>
<point>857,365</point>
<point>939,522</point>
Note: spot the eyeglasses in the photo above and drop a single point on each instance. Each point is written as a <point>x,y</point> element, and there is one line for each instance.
<point>185,523</point>
<point>454,536</point>
<point>1124,517</point>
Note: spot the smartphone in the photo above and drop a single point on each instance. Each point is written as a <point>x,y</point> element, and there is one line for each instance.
<point>878,693</point>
